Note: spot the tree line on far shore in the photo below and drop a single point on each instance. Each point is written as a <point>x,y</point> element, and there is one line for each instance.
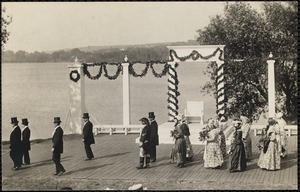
<point>107,55</point>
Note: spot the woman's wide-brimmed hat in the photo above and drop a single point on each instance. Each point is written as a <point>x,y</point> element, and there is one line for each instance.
<point>14,120</point>
<point>25,121</point>
<point>144,119</point>
<point>237,120</point>
<point>271,121</point>
<point>57,120</point>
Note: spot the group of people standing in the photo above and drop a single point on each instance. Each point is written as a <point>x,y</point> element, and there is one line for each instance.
<point>182,150</point>
<point>20,143</point>
<point>272,144</point>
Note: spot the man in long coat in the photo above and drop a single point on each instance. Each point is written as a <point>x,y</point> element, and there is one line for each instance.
<point>15,144</point>
<point>153,136</point>
<point>57,149</point>
<point>26,142</point>
<point>88,136</point>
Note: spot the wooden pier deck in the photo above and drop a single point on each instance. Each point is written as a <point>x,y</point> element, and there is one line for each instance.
<point>116,157</point>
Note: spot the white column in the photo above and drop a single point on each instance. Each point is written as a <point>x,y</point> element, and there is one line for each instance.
<point>126,93</point>
<point>77,99</point>
<point>271,86</point>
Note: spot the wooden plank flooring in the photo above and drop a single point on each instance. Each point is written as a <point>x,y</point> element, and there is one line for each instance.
<point>116,157</point>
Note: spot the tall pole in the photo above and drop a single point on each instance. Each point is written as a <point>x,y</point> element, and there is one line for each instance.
<point>126,93</point>
<point>271,86</point>
<point>77,99</point>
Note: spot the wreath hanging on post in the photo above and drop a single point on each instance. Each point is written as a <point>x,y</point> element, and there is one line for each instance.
<point>76,74</point>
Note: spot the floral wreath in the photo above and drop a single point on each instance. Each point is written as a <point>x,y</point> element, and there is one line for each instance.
<point>77,75</point>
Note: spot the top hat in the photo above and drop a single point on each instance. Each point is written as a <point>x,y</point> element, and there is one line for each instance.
<point>85,115</point>
<point>14,120</point>
<point>57,120</point>
<point>25,121</point>
<point>144,119</point>
<point>151,115</point>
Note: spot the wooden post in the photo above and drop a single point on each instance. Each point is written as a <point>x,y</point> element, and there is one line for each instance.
<point>271,86</point>
<point>126,93</point>
<point>77,99</point>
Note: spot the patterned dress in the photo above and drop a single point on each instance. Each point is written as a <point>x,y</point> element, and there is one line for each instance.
<point>180,146</point>
<point>247,140</point>
<point>212,153</point>
<point>271,159</point>
<point>237,157</point>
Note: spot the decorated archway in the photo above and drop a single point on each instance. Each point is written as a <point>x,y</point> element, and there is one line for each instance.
<point>177,54</point>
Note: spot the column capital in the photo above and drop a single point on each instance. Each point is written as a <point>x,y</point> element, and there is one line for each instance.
<point>125,64</point>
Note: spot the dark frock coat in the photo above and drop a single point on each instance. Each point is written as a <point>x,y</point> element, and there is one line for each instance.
<point>57,140</point>
<point>26,139</point>
<point>15,140</point>
<point>87,132</point>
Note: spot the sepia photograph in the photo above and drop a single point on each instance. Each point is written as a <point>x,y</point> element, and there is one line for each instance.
<point>198,95</point>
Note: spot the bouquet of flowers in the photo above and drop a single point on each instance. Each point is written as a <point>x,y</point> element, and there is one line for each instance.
<point>203,134</point>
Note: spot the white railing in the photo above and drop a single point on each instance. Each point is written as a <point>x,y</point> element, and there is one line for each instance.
<point>112,129</point>
<point>289,129</point>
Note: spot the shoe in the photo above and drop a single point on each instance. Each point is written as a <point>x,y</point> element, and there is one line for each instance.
<point>87,159</point>
<point>16,168</point>
<point>140,167</point>
<point>60,173</point>
<point>55,174</point>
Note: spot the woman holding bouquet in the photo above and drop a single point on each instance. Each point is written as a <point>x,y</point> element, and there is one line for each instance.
<point>212,156</point>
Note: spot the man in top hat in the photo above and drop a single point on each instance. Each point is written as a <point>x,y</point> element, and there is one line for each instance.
<point>26,142</point>
<point>57,149</point>
<point>153,136</point>
<point>15,144</point>
<point>88,136</point>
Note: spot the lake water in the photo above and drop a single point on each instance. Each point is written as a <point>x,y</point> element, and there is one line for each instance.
<point>39,92</point>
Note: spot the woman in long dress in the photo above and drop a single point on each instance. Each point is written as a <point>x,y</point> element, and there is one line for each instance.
<point>246,137</point>
<point>212,156</point>
<point>180,144</point>
<point>221,124</point>
<point>283,137</point>
<point>270,157</point>
<point>186,132</point>
<point>237,156</point>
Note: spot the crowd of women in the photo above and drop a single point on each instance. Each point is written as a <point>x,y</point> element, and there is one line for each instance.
<point>272,143</point>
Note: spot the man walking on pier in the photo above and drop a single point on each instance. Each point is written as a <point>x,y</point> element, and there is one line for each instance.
<point>88,136</point>
<point>57,149</point>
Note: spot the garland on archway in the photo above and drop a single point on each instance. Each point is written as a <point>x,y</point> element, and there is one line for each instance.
<point>102,67</point>
<point>195,55</point>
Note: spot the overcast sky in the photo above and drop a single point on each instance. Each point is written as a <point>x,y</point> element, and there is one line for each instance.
<point>46,26</point>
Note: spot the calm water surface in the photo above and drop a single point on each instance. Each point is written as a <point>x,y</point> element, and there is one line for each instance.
<point>39,92</point>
